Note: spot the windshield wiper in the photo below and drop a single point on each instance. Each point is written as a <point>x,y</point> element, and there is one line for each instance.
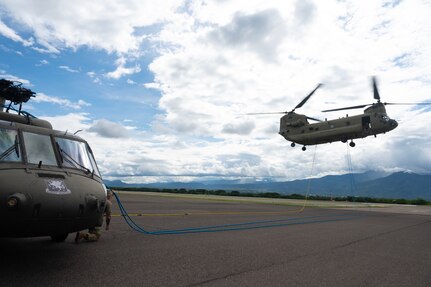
<point>13,147</point>
<point>68,158</point>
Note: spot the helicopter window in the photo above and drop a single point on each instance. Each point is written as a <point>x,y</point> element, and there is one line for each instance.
<point>75,154</point>
<point>39,149</point>
<point>9,145</point>
<point>93,161</point>
<point>384,118</point>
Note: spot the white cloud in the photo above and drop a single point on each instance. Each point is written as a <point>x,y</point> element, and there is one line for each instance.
<point>11,34</point>
<point>108,25</point>
<point>218,60</point>
<point>69,69</point>
<point>108,129</point>
<point>261,32</point>
<point>122,70</point>
<point>206,84</point>
<point>41,97</point>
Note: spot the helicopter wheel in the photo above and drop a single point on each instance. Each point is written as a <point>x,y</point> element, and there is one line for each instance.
<point>59,237</point>
<point>352,144</point>
<point>344,140</point>
<point>292,144</point>
<point>304,148</point>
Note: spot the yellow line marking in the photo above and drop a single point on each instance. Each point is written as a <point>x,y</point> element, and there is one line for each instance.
<point>211,213</point>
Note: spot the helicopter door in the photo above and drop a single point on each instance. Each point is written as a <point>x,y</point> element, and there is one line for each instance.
<point>366,123</point>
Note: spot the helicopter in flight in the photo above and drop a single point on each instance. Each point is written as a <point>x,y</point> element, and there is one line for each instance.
<point>49,181</point>
<point>296,128</point>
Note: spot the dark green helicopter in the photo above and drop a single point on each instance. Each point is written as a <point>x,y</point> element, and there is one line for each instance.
<point>49,181</point>
<point>296,128</point>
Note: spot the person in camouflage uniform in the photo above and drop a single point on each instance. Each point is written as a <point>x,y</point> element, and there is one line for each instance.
<point>93,234</point>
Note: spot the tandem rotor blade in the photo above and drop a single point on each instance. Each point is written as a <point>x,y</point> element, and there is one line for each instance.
<point>314,119</point>
<point>347,108</point>
<point>376,91</point>
<point>306,98</point>
<point>406,104</point>
<point>270,113</point>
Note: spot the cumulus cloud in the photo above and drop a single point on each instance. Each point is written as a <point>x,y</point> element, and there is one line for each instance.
<point>107,25</point>
<point>108,129</point>
<point>261,33</point>
<point>218,59</point>
<point>243,128</point>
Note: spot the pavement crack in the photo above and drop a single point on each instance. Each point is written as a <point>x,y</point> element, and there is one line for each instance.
<point>255,269</point>
<point>380,234</point>
<point>305,255</point>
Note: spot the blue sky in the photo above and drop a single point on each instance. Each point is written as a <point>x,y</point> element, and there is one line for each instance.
<point>160,90</point>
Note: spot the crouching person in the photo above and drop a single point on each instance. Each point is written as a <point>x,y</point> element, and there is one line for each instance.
<point>93,234</point>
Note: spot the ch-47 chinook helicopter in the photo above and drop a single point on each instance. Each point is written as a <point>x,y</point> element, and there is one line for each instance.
<point>49,181</point>
<point>296,128</point>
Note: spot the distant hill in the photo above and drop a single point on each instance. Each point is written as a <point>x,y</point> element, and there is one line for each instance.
<point>370,184</point>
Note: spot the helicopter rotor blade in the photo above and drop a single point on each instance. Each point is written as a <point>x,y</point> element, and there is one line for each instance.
<point>375,90</point>
<point>307,97</point>
<point>314,119</point>
<point>412,104</point>
<point>270,113</point>
<point>347,108</point>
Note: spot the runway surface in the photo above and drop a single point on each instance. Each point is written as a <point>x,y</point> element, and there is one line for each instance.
<point>315,247</point>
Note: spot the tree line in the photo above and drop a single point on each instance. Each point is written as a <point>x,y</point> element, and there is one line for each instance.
<point>418,201</point>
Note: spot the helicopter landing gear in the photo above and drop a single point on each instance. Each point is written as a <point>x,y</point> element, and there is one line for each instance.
<point>352,144</point>
<point>344,140</point>
<point>304,148</point>
<point>292,144</point>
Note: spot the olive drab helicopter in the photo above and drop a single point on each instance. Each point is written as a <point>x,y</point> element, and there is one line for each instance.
<point>49,181</point>
<point>296,128</point>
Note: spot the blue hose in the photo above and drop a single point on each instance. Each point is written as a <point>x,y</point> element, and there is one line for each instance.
<point>235,226</point>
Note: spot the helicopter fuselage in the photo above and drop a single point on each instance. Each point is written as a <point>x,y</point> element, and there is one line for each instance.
<point>49,181</point>
<point>296,128</point>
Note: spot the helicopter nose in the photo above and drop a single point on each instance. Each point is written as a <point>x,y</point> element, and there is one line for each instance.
<point>393,124</point>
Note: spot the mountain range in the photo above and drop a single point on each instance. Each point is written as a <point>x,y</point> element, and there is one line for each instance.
<point>370,184</point>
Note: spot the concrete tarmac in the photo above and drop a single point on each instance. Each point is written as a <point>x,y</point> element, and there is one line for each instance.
<point>356,246</point>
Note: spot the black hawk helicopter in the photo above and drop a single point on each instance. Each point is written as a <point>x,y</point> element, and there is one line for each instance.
<point>49,181</point>
<point>296,128</point>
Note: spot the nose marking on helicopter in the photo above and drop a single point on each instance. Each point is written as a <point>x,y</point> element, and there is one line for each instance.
<point>56,186</point>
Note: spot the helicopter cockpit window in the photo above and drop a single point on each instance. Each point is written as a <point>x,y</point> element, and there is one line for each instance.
<point>39,149</point>
<point>9,145</point>
<point>75,155</point>
<point>384,118</point>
